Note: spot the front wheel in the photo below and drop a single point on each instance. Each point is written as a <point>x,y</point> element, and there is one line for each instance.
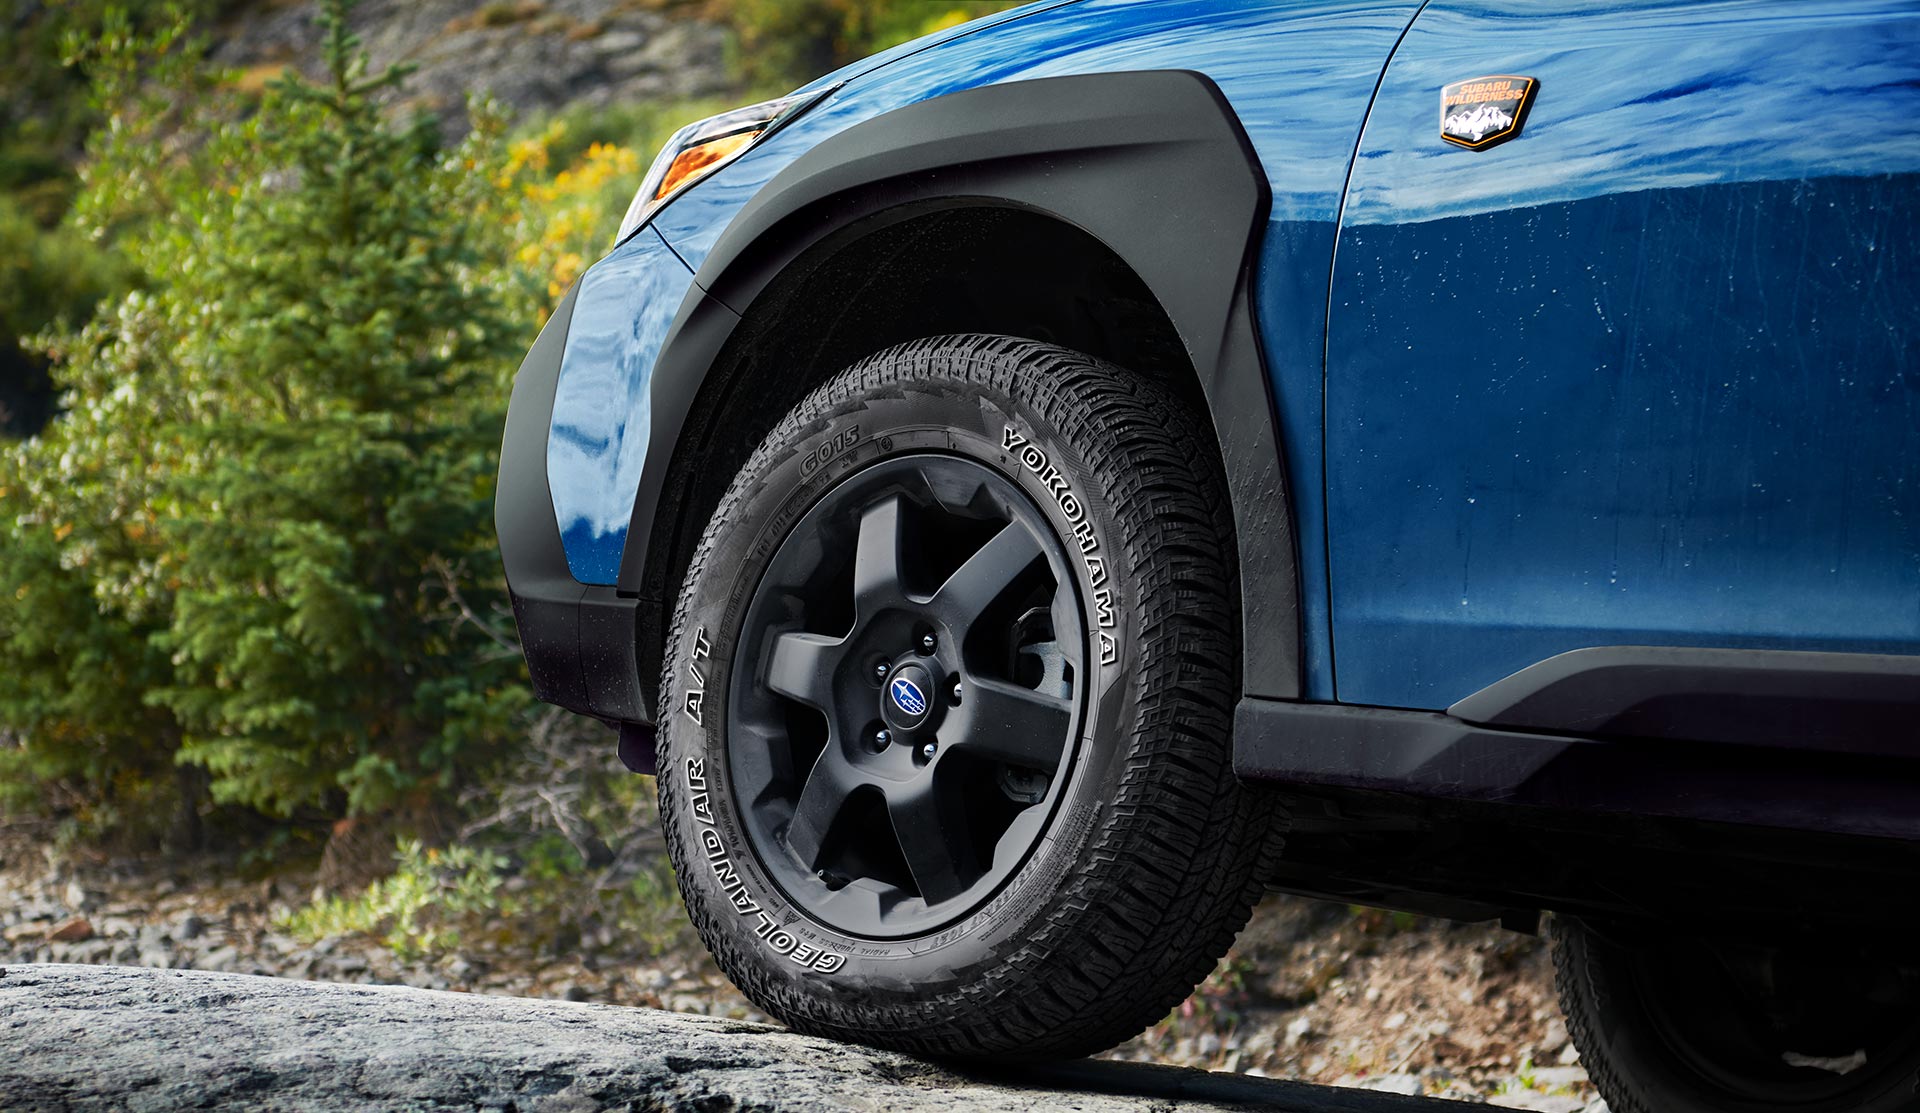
<point>944,760</point>
<point>1668,1025</point>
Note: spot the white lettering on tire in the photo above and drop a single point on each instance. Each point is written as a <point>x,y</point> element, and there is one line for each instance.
<point>777,939</point>
<point>1034,459</point>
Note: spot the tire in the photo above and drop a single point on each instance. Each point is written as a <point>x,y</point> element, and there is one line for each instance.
<point>1681,1026</point>
<point>1129,856</point>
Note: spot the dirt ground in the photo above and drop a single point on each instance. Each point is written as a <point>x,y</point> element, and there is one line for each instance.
<point>1311,991</point>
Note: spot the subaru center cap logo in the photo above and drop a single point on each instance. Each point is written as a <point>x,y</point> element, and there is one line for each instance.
<point>908,697</point>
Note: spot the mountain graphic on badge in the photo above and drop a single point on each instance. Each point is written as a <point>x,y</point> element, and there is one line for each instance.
<point>1485,111</point>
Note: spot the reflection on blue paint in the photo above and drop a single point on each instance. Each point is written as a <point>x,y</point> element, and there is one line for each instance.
<point>1645,375</point>
<point>1646,96</point>
<point>601,407</point>
<point>1642,375</point>
<point>1298,73</point>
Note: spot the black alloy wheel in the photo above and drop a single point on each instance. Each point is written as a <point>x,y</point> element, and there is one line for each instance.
<point>946,707</point>
<point>905,697</point>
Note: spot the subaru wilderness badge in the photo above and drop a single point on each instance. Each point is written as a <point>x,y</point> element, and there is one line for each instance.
<point>1479,113</point>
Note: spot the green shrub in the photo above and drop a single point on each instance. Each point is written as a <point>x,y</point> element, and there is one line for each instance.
<point>418,910</point>
<point>273,484</point>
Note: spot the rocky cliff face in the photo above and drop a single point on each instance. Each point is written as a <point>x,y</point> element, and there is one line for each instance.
<point>533,56</point>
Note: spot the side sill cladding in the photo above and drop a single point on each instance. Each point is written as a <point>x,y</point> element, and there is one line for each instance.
<point>1152,164</point>
<point>1435,757</point>
<point>1862,703</point>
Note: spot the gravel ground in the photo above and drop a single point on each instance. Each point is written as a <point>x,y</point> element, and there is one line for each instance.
<point>1312,992</point>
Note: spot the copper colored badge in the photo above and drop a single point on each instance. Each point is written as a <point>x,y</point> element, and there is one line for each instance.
<point>1479,113</point>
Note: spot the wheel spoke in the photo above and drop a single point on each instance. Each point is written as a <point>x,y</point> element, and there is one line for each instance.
<point>933,832</point>
<point>987,574</point>
<point>801,667</point>
<point>861,899</point>
<point>1066,624</point>
<point>820,802</point>
<point>876,555</point>
<point>1008,723</point>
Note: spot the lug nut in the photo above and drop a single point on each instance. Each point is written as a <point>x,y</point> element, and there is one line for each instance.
<point>882,738</point>
<point>927,643</point>
<point>880,670</point>
<point>956,691</point>
<point>927,751</point>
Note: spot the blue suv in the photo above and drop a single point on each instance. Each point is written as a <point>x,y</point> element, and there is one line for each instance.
<point>1007,486</point>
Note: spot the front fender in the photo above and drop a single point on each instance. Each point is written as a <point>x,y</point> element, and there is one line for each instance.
<point>1153,164</point>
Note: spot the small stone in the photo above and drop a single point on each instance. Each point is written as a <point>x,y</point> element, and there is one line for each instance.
<point>1408,1084</point>
<point>80,898</point>
<point>1559,1078</point>
<point>619,42</point>
<point>219,958</point>
<point>76,930</point>
<point>577,993</point>
<point>1299,1028</point>
<point>189,927</point>
<point>1538,1102</point>
<point>347,965</point>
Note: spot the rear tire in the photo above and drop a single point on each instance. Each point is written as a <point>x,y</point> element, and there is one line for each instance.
<point>1668,1025</point>
<point>1089,879</point>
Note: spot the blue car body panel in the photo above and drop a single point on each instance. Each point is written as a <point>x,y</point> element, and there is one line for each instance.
<point>1645,375</point>
<point>1548,397</point>
<point>601,406</point>
<point>1298,74</point>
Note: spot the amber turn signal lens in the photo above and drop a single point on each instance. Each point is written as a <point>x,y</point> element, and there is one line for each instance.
<point>698,159</point>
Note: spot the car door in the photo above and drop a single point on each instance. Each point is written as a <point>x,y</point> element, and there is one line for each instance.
<point>1643,373</point>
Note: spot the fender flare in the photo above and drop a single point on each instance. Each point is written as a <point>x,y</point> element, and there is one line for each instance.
<point>1153,164</point>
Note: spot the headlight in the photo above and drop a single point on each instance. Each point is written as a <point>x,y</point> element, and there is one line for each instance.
<point>701,148</point>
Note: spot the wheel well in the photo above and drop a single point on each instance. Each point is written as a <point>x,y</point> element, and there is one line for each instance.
<point>889,279</point>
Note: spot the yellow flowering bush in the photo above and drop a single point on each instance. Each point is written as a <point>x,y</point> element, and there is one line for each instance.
<point>557,224</point>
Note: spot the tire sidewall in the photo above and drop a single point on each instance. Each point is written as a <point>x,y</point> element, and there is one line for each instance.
<point>958,414</point>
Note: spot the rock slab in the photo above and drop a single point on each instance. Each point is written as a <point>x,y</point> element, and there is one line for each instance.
<point>102,1037</point>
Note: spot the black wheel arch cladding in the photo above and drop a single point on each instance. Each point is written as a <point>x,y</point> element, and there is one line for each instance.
<point>1152,164</point>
